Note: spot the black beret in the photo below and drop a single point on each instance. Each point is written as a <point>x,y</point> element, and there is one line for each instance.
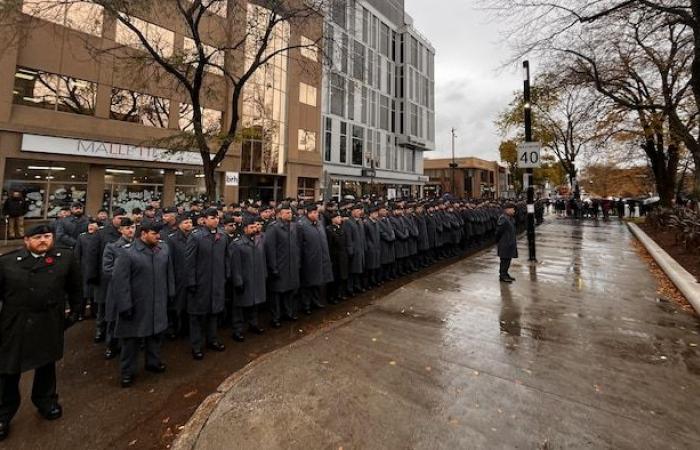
<point>38,229</point>
<point>284,205</point>
<point>182,217</point>
<point>150,208</point>
<point>333,215</point>
<point>118,212</point>
<point>509,205</point>
<point>250,220</point>
<point>237,214</point>
<point>170,210</point>
<point>136,211</point>
<point>228,219</point>
<point>311,208</point>
<point>358,206</point>
<point>126,222</point>
<point>152,226</point>
<point>76,205</point>
<point>211,212</point>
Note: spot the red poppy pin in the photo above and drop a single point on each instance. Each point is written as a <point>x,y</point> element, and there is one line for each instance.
<point>49,260</point>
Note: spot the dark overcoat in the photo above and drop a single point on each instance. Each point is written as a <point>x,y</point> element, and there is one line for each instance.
<point>206,271</point>
<point>248,270</point>
<point>316,267</point>
<point>507,239</point>
<point>338,250</point>
<point>401,232</point>
<point>177,243</point>
<point>355,230</point>
<point>431,230</point>
<point>113,250</point>
<point>412,227</point>
<point>143,282</point>
<point>68,229</point>
<point>87,251</point>
<point>388,237</point>
<point>373,252</point>
<point>283,255</point>
<point>33,292</point>
<point>423,242</point>
<point>106,234</point>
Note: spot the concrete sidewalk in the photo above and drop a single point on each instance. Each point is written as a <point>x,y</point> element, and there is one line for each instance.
<point>579,352</point>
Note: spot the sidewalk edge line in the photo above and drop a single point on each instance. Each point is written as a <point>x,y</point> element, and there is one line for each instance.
<point>681,278</point>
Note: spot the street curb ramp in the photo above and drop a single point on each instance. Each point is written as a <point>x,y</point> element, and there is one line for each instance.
<point>684,280</point>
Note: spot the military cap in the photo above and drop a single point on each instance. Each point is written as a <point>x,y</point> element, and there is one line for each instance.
<point>136,211</point>
<point>333,215</point>
<point>284,205</point>
<point>311,208</point>
<point>237,214</point>
<point>170,210</point>
<point>358,206</point>
<point>38,229</point>
<point>181,218</point>
<point>152,226</point>
<point>118,212</point>
<point>211,212</point>
<point>251,220</point>
<point>76,205</point>
<point>509,205</point>
<point>228,219</point>
<point>126,222</point>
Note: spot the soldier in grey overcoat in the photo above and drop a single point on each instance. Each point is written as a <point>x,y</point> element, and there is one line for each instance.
<point>316,266</point>
<point>357,244</point>
<point>206,284</point>
<point>69,228</point>
<point>507,242</point>
<point>108,233</point>
<point>143,284</point>
<point>247,272</point>
<point>401,243</point>
<point>86,251</point>
<point>388,239</point>
<point>109,259</point>
<point>283,256</point>
<point>177,243</point>
<point>373,251</point>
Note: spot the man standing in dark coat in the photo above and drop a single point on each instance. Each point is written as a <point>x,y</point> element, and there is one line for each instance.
<point>247,272</point>
<point>177,243</point>
<point>401,243</point>
<point>355,231</point>
<point>15,207</point>
<point>388,239</point>
<point>283,257</point>
<point>206,260</point>
<point>316,267</point>
<point>338,251</point>
<point>110,233</point>
<point>373,252</point>
<point>69,228</point>
<point>86,251</point>
<point>143,284</point>
<point>34,283</point>
<point>507,241</point>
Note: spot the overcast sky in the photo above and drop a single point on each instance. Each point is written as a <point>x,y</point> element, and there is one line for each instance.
<point>470,89</point>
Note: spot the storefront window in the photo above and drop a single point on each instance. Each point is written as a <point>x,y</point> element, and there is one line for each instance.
<point>48,186</point>
<point>189,186</point>
<point>131,188</point>
<point>306,189</point>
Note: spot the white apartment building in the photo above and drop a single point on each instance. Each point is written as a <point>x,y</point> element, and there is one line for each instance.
<point>378,100</point>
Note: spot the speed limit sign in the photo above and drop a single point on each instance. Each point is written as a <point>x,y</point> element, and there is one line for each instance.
<point>529,155</point>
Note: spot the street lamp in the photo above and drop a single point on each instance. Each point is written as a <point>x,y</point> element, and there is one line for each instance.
<point>453,165</point>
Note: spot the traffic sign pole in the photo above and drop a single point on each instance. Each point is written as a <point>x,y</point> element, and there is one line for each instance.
<point>532,249</point>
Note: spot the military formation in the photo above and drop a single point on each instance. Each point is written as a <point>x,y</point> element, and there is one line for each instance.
<point>173,273</point>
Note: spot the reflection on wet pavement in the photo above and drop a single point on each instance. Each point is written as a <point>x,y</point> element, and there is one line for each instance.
<point>579,352</point>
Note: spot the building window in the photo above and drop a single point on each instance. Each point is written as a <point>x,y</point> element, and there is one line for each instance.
<point>215,58</point>
<point>259,152</point>
<point>358,138</point>
<point>414,120</point>
<point>351,100</point>
<point>337,95</point>
<point>343,142</point>
<point>307,94</point>
<point>306,188</point>
<point>54,92</point>
<point>130,106</point>
<point>131,188</point>
<point>358,61</point>
<point>307,141</point>
<point>328,142</point>
<point>82,16</point>
<point>251,155</point>
<point>47,186</point>
<point>384,40</point>
<point>339,13</point>
<point>384,113</point>
<point>308,49</point>
<point>158,38</point>
<point>211,119</point>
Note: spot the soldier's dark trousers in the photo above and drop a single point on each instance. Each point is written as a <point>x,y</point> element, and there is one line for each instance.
<point>128,359</point>
<point>110,340</point>
<point>203,329</point>
<point>280,301</point>
<point>43,391</point>
<point>336,289</point>
<point>505,266</point>
<point>244,315</point>
<point>311,296</point>
<point>100,323</point>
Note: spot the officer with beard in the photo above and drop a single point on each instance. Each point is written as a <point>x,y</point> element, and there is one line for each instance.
<point>34,282</point>
<point>69,228</point>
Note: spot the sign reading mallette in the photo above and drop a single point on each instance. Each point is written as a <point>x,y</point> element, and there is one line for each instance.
<point>529,155</point>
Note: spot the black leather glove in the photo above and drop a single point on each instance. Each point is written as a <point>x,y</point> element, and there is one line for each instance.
<point>127,315</point>
<point>192,289</point>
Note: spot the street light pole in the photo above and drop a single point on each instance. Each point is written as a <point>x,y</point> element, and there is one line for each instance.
<point>532,250</point>
<point>453,166</point>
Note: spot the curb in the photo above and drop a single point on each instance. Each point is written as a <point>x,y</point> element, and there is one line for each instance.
<point>684,280</point>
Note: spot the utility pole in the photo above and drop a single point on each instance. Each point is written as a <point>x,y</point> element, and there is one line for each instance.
<point>453,165</point>
<point>532,250</point>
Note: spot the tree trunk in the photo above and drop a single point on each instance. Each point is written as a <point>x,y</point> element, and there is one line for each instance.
<point>209,178</point>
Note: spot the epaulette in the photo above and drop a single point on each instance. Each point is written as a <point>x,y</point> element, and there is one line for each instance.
<point>127,246</point>
<point>172,234</point>
<point>84,232</point>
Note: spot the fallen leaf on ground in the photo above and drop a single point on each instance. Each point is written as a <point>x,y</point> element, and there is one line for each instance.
<point>166,420</point>
<point>132,443</point>
<point>190,394</point>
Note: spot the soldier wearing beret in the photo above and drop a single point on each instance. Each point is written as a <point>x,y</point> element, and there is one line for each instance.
<point>247,272</point>
<point>86,251</point>
<point>316,267</point>
<point>34,283</point>
<point>177,243</point>
<point>507,242</point>
<point>69,228</point>
<point>110,233</point>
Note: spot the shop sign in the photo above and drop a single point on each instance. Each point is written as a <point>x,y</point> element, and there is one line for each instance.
<point>232,179</point>
<point>100,149</point>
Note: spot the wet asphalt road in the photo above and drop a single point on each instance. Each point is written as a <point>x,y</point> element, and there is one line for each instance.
<point>578,353</point>
<point>98,414</point>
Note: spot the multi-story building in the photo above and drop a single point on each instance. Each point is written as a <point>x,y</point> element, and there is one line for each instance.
<point>472,177</point>
<point>378,100</point>
<point>80,124</point>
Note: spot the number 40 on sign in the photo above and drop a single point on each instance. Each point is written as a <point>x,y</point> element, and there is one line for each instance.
<point>529,155</point>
